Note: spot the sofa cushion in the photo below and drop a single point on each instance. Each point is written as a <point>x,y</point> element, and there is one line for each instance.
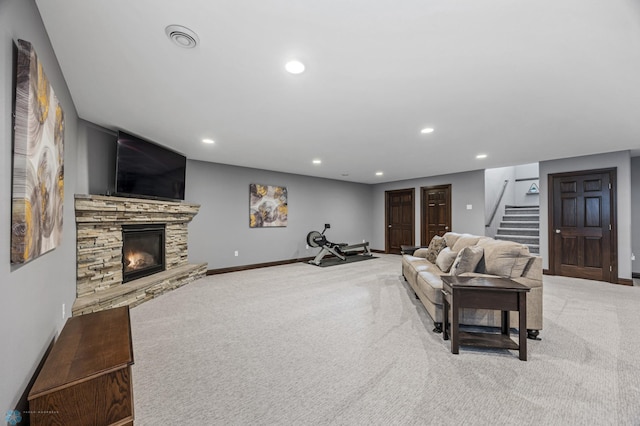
<point>431,285</point>
<point>503,258</point>
<point>445,259</point>
<point>417,263</point>
<point>521,262</point>
<point>467,260</point>
<point>451,238</point>
<point>435,247</point>
<point>465,240</point>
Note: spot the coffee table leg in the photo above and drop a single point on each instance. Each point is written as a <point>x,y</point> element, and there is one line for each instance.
<point>505,322</point>
<point>454,325</point>
<point>522,324</point>
<point>445,319</point>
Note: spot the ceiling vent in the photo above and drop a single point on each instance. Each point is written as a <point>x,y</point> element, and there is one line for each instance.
<point>182,36</point>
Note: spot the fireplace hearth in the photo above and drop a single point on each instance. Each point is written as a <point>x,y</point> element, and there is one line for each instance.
<point>142,250</point>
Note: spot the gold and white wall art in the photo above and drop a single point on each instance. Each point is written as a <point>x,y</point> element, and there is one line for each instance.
<point>38,161</point>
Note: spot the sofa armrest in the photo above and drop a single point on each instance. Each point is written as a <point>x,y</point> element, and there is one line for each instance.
<point>421,252</point>
<point>529,282</point>
<point>533,270</point>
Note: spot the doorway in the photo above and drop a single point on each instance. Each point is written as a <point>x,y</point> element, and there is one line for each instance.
<point>435,212</point>
<point>582,225</point>
<point>399,219</point>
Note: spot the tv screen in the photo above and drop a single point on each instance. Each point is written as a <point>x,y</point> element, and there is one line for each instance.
<point>145,169</point>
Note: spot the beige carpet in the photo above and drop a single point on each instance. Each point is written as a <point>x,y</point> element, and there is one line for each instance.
<point>349,345</point>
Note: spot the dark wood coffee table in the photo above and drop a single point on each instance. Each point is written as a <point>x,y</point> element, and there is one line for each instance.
<point>496,293</point>
<point>406,249</point>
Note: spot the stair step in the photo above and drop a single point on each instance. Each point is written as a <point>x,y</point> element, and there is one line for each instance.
<point>521,217</point>
<point>522,210</point>
<point>519,224</point>
<point>528,238</point>
<point>522,239</point>
<point>518,231</point>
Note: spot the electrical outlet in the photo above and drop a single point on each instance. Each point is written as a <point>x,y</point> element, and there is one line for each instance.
<point>633,256</point>
<point>469,206</point>
<point>235,253</point>
<point>364,241</point>
<point>307,246</point>
<point>64,311</point>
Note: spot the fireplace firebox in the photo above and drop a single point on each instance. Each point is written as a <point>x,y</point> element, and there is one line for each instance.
<point>142,250</point>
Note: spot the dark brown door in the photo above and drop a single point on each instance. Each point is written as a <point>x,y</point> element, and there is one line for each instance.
<point>435,212</point>
<point>582,219</point>
<point>400,217</point>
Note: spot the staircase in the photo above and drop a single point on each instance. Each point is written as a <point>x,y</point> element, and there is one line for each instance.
<point>522,225</point>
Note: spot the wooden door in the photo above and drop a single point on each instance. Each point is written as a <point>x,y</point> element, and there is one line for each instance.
<point>435,212</point>
<point>400,219</point>
<point>582,225</point>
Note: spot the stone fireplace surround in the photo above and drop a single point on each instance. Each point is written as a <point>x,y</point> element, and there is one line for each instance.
<point>99,221</point>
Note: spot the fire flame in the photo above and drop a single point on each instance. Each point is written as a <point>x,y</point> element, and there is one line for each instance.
<point>138,260</point>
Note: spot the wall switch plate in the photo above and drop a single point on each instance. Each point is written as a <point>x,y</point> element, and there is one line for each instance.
<point>633,256</point>
<point>235,253</point>
<point>469,207</point>
<point>307,246</point>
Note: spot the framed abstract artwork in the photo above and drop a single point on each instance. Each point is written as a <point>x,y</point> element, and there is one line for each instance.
<point>267,206</point>
<point>38,161</point>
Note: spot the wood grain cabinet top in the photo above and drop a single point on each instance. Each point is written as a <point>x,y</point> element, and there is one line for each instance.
<point>86,378</point>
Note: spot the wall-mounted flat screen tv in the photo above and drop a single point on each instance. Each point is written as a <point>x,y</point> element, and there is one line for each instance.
<point>145,169</point>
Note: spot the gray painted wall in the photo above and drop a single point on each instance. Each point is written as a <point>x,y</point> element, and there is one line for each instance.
<point>32,294</point>
<point>466,188</point>
<point>493,184</point>
<point>101,156</point>
<point>222,226</point>
<point>635,213</point>
<point>526,171</point>
<point>622,161</point>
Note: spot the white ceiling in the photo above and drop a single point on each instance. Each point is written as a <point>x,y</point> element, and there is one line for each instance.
<point>521,81</point>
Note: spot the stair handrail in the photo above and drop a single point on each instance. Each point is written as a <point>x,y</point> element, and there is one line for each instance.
<point>497,204</point>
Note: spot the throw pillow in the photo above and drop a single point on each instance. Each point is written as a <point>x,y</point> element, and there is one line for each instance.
<point>466,260</point>
<point>445,259</point>
<point>435,247</point>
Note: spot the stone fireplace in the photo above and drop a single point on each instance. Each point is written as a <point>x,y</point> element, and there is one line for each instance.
<point>108,229</point>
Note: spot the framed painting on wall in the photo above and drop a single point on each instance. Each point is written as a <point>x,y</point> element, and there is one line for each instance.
<point>38,161</point>
<point>267,206</point>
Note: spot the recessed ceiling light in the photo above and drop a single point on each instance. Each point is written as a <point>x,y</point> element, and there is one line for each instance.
<point>379,173</point>
<point>208,141</point>
<point>182,36</point>
<point>317,161</point>
<point>480,156</point>
<point>294,67</point>
<point>426,130</point>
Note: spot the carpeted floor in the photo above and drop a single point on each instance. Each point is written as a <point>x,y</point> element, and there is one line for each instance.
<point>334,261</point>
<point>349,345</point>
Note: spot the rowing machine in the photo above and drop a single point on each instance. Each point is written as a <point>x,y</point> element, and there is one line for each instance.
<point>339,250</point>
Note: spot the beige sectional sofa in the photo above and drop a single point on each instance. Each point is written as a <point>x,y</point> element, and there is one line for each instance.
<point>472,255</point>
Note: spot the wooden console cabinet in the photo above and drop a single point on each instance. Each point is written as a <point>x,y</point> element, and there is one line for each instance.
<point>86,379</point>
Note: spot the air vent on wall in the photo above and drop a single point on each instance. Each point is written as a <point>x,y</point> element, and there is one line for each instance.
<point>182,36</point>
